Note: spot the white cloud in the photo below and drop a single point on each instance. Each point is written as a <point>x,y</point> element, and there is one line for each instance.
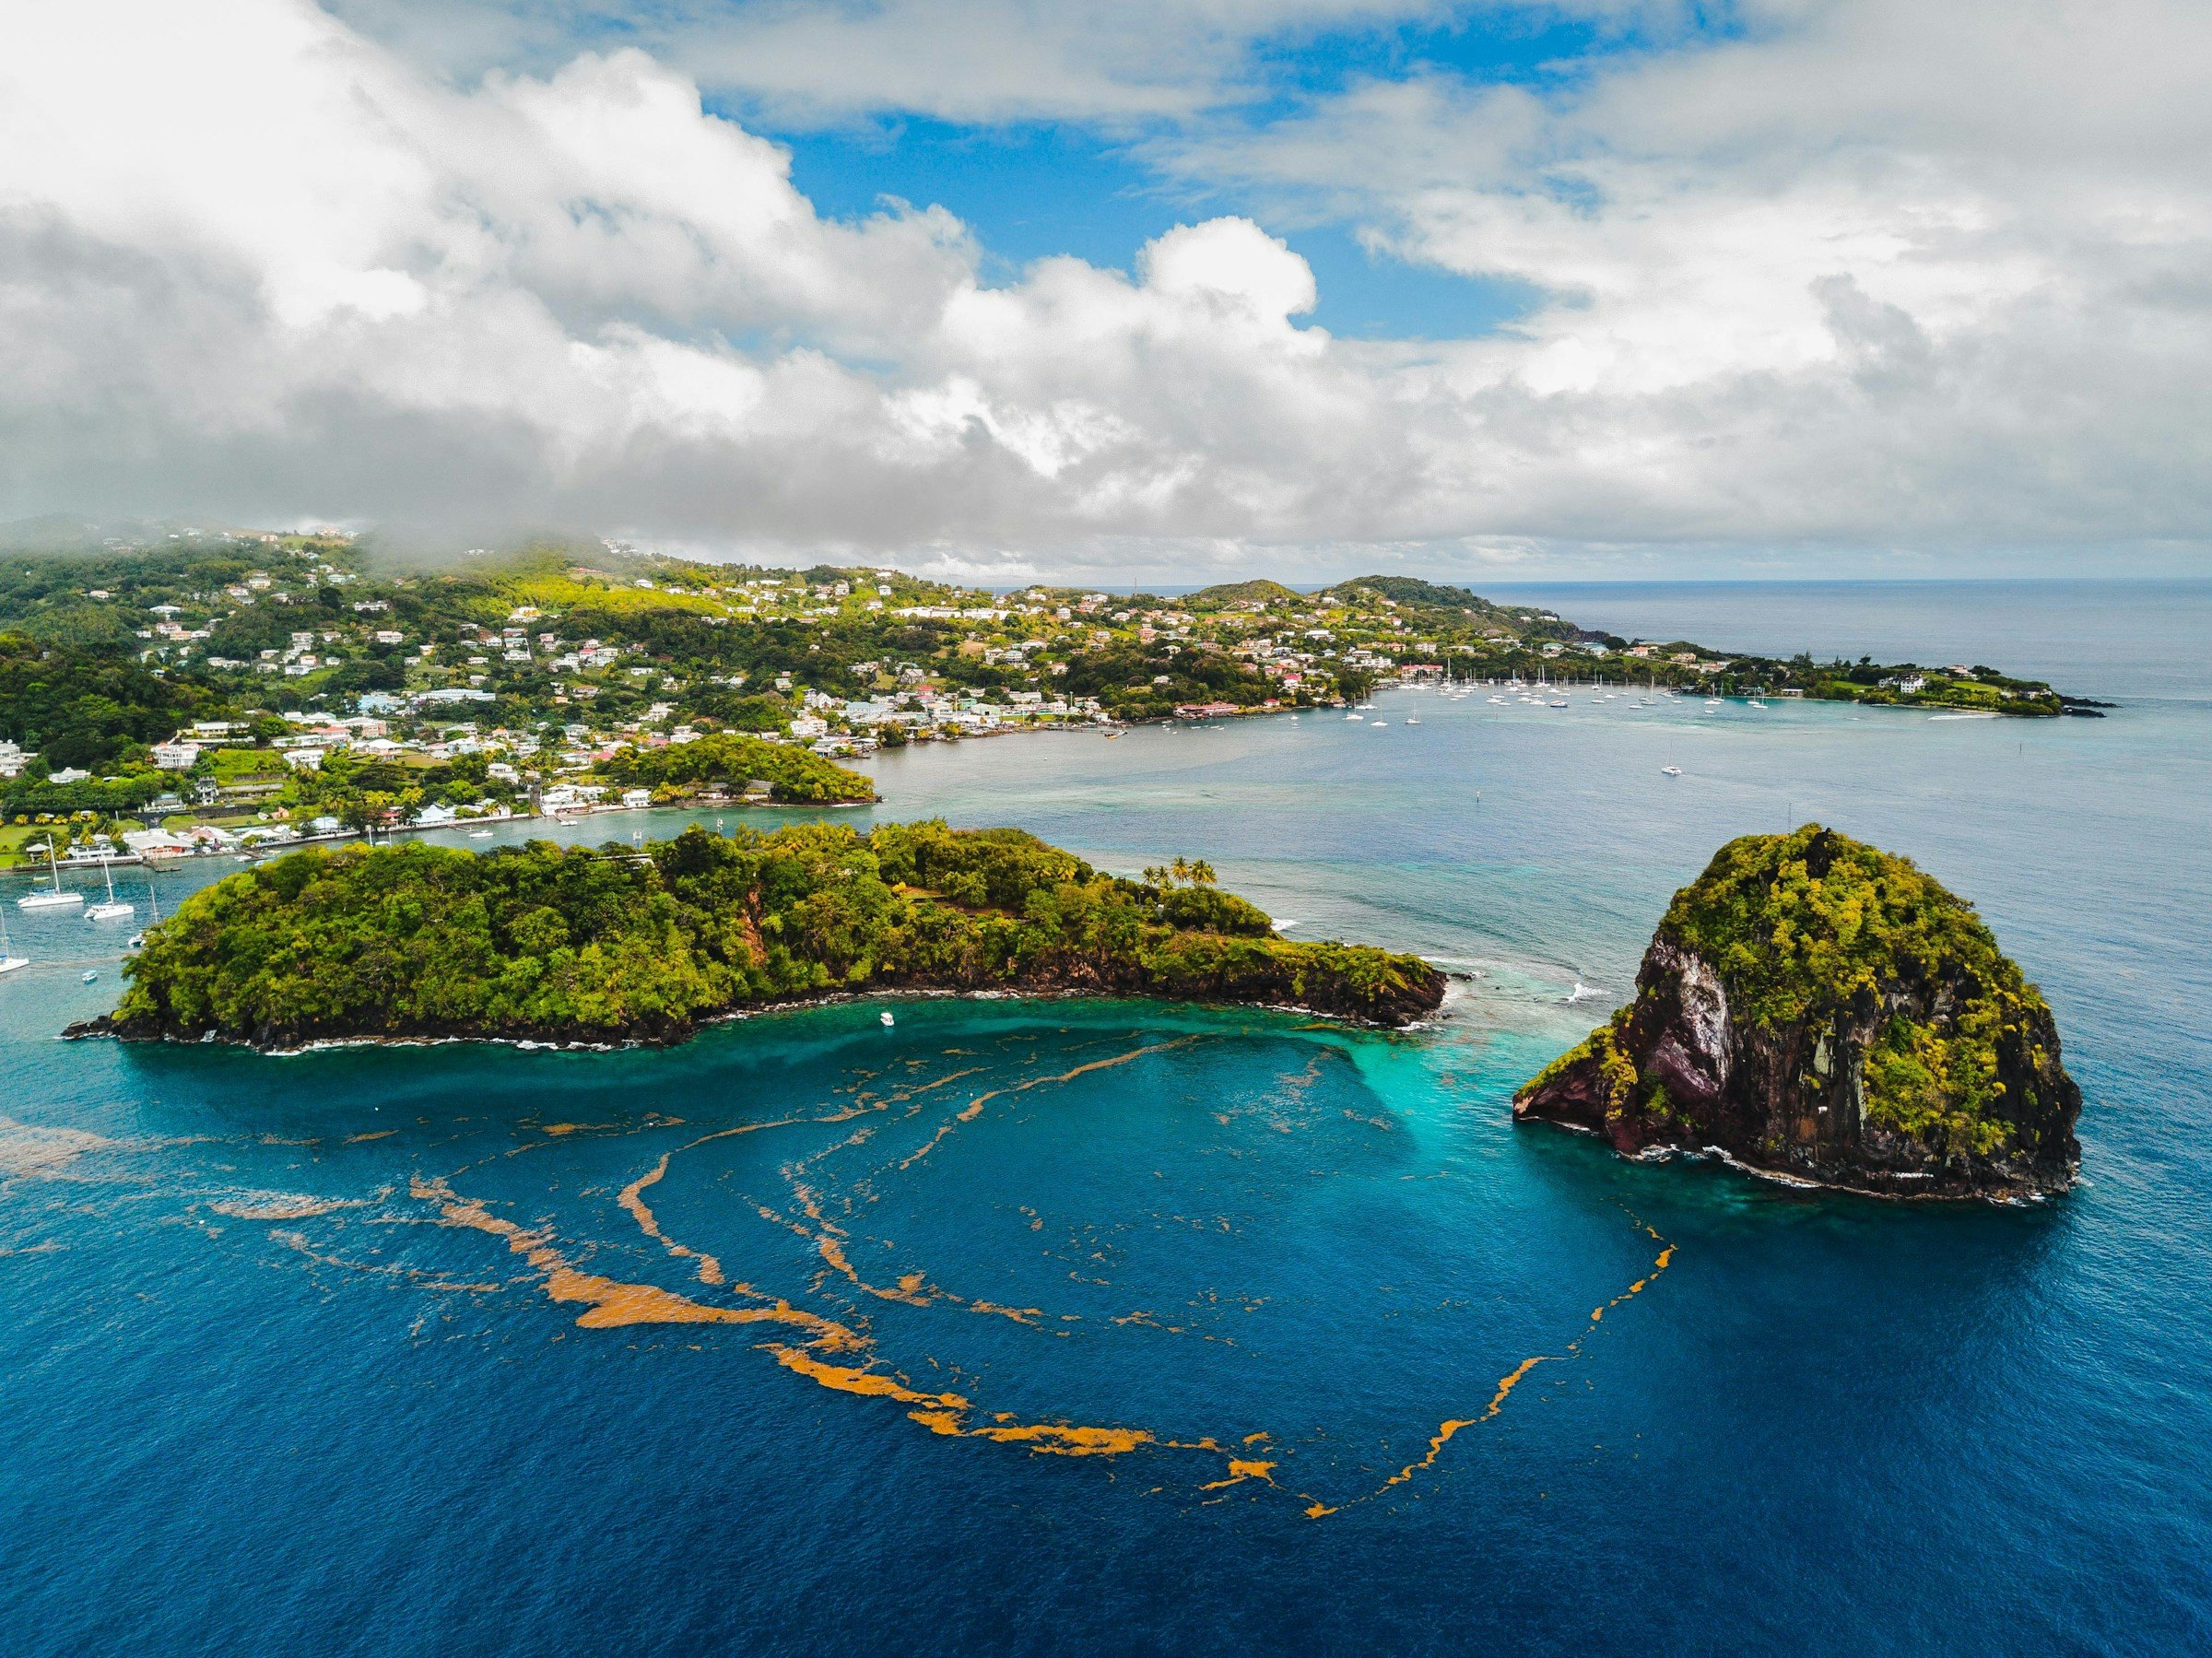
<point>805,61</point>
<point>1860,278</point>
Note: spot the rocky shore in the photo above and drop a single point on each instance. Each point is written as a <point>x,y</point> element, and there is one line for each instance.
<point>1818,1009</point>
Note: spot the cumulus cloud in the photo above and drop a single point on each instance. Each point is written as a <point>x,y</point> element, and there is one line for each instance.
<point>1856,278</point>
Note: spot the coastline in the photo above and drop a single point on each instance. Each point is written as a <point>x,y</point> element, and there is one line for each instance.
<point>2080,708</point>
<point>102,1029</point>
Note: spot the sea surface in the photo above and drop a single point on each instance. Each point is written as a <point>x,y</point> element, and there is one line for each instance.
<point>1108,1326</point>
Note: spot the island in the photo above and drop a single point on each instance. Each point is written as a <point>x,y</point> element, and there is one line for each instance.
<point>1816,1008</point>
<point>626,944</point>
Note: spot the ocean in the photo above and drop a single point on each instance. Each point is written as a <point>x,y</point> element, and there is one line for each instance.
<point>493,1351</point>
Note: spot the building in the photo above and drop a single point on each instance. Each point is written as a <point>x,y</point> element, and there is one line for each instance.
<point>176,756</point>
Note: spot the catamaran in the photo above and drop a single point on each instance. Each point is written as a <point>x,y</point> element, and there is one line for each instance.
<point>57,897</point>
<point>111,907</point>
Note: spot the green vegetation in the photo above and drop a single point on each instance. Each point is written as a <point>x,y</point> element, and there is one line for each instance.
<point>727,762</point>
<point>1815,1005</point>
<point>575,945</point>
<point>1803,925</point>
<point>482,681</point>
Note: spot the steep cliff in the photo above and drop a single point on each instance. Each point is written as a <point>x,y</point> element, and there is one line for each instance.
<point>1820,1008</point>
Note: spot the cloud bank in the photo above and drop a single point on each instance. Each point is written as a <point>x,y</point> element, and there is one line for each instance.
<point>1855,278</point>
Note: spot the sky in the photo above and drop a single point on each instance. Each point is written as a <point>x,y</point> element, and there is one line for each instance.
<point>1178,291</point>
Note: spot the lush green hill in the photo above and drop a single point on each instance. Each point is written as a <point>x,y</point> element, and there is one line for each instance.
<point>1817,1005</point>
<point>580,946</point>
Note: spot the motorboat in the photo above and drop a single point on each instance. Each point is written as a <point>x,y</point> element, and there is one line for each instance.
<point>1671,770</point>
<point>90,973</point>
<point>480,834</point>
<point>885,1017</point>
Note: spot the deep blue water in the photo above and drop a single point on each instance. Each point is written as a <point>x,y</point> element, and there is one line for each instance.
<point>268,1383</point>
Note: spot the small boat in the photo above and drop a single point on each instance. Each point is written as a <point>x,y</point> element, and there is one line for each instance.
<point>1672,771</point>
<point>480,834</point>
<point>1378,722</point>
<point>1412,719</point>
<point>1498,700</point>
<point>90,973</point>
<point>886,1017</point>
<point>9,960</point>
<point>1353,716</point>
<point>112,907</point>
<point>1559,702</point>
<point>55,900</point>
<point>1755,702</point>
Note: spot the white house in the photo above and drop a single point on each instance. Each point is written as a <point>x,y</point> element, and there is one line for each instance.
<point>176,756</point>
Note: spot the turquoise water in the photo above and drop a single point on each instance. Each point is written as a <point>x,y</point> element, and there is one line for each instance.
<point>275,1375</point>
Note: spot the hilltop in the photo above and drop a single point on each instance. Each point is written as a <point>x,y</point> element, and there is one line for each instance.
<point>623,944</point>
<point>1817,1008</point>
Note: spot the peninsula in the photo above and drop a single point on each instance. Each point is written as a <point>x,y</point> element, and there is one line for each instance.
<point>626,944</point>
<point>1816,1009</point>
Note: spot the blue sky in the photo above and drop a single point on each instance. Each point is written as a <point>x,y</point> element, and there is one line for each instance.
<point>1030,189</point>
<point>1034,190</point>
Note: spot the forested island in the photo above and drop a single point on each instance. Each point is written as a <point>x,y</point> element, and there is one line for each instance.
<point>253,683</point>
<point>645,945</point>
<point>1818,1008</point>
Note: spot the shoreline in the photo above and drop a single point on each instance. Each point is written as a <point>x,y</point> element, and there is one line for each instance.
<point>1177,721</point>
<point>101,1029</point>
<point>1655,1155</point>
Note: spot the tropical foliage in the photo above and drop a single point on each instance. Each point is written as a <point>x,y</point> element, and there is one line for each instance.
<point>574,943</point>
<point>730,759</point>
<point>1813,922</point>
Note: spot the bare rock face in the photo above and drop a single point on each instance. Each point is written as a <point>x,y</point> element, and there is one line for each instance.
<point>1817,1008</point>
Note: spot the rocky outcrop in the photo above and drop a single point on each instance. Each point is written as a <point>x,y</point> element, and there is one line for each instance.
<point>1816,1009</point>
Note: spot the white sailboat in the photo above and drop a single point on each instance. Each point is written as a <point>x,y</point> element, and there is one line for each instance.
<point>111,907</point>
<point>55,900</point>
<point>153,899</point>
<point>9,960</point>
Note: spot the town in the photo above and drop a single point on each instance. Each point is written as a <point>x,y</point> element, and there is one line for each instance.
<point>215,691</point>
